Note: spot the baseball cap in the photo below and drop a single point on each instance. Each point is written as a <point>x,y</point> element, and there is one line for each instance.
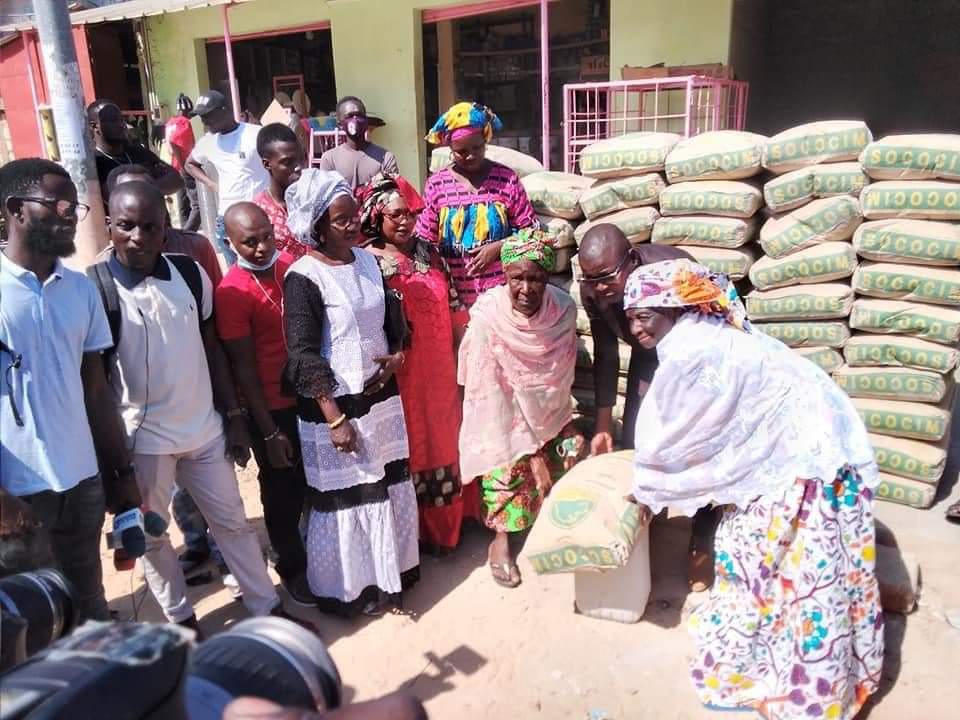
<point>208,102</point>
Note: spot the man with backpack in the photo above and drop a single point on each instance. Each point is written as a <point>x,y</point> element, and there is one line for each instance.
<point>182,419</point>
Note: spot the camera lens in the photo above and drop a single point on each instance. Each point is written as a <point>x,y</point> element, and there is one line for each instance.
<point>46,600</point>
<point>265,657</point>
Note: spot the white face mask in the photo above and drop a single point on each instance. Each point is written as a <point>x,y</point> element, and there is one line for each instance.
<point>253,267</point>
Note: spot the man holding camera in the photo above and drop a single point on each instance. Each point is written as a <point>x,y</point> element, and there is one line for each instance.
<point>55,404</point>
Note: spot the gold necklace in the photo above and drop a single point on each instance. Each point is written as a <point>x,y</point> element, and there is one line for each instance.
<point>264,290</point>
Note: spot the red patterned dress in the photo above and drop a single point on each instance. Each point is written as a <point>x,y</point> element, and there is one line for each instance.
<point>428,388</point>
<point>278,218</point>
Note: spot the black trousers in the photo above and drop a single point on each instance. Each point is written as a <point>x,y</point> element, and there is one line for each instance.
<point>642,367</point>
<point>282,493</point>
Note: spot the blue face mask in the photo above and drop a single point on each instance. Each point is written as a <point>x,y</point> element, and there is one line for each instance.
<point>253,267</point>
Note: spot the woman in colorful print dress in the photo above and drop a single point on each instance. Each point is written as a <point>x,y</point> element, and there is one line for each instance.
<point>473,204</point>
<point>428,376</point>
<point>793,626</point>
<point>516,366</point>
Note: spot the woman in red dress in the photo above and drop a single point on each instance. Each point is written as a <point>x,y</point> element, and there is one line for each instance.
<point>428,376</point>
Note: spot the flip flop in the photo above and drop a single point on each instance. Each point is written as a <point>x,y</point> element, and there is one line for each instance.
<point>503,574</point>
<point>953,512</point>
<point>700,570</point>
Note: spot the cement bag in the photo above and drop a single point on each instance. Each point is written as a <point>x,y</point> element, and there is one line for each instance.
<point>908,282</point>
<point>825,220</point>
<point>921,461</point>
<point>608,196</point>
<point>903,419</point>
<point>562,257</point>
<point>716,155</point>
<point>921,242</point>
<point>811,334</point>
<point>733,263</point>
<point>905,491</point>
<point>891,383</point>
<point>630,154</point>
<point>803,302</point>
<point>517,161</point>
<point>586,523</point>
<point>816,142</point>
<point>706,230</point>
<point>873,350</point>
<point>798,187</point>
<point>827,359</point>
<point>818,264</point>
<point>917,199</point>
<point>712,197</point>
<point>913,157</point>
<point>561,229</point>
<point>585,354</point>
<point>635,223</point>
<point>583,322</point>
<point>585,403</point>
<point>930,322</point>
<point>556,194</point>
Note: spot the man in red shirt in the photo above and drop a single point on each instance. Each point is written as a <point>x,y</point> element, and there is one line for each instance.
<point>180,138</point>
<point>250,324</point>
<point>283,158</point>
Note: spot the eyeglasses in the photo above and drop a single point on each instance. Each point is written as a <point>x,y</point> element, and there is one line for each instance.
<point>399,216</point>
<point>63,208</point>
<point>344,223</point>
<point>610,277</point>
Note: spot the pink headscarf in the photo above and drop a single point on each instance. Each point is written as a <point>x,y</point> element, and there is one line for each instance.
<point>517,373</point>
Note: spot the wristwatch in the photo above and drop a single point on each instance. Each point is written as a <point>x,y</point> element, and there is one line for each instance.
<point>236,412</point>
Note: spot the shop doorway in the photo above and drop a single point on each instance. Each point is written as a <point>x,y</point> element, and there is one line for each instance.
<point>494,58</point>
<point>278,65</point>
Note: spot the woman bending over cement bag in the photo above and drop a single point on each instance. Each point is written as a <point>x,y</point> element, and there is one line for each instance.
<point>793,626</point>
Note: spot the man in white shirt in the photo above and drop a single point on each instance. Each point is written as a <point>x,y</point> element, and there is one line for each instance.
<point>231,148</point>
<point>182,418</point>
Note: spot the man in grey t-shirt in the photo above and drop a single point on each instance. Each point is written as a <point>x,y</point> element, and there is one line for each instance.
<point>358,159</point>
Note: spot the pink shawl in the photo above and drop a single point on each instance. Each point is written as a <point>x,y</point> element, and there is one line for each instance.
<point>517,373</point>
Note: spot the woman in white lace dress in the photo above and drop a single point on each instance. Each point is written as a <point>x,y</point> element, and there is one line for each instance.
<point>344,342</point>
<point>793,626</point>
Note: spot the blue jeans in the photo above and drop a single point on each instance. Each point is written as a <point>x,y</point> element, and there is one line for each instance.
<point>223,244</point>
<point>196,532</point>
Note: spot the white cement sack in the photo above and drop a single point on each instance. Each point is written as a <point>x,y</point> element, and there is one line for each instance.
<point>916,242</point>
<point>630,154</point>
<point>733,263</point>
<point>635,223</point>
<point>519,162</point>
<point>917,199</point>
<point>798,187</point>
<point>608,196</point>
<point>816,142</point>
<point>585,354</point>
<point>913,157</point>
<point>905,491</point>
<point>817,264</point>
<point>899,418</point>
<point>827,301</point>
<point>556,194</point>
<point>891,383</point>
<point>705,230</point>
<point>827,359</point>
<point>826,220</point>
<point>810,333</point>
<point>897,281</point>
<point>716,155</point>
<point>914,459</point>
<point>899,350</point>
<point>728,198</point>
<point>560,229</point>
<point>930,322</point>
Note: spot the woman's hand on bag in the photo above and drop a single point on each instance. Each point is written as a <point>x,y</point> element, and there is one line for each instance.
<point>541,474</point>
<point>344,437</point>
<point>389,364</point>
<point>482,258</point>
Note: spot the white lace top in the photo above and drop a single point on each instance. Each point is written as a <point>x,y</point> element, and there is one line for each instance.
<point>731,416</point>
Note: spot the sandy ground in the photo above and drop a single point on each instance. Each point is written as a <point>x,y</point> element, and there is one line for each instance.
<point>470,649</point>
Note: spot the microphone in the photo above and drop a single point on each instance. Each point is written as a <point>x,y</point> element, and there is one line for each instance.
<point>127,538</point>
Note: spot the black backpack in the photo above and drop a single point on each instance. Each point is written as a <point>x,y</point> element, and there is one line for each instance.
<point>103,279</point>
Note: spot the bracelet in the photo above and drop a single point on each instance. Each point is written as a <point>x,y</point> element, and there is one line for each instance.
<point>236,412</point>
<point>339,421</point>
<point>271,436</point>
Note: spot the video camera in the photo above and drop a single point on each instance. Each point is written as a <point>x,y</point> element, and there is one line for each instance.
<point>139,671</point>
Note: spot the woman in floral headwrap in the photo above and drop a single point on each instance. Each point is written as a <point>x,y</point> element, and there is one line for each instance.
<point>428,376</point>
<point>473,204</point>
<point>516,367</point>
<point>793,626</point>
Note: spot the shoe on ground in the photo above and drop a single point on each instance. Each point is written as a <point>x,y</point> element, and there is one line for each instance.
<point>299,591</point>
<point>191,623</point>
<point>191,560</point>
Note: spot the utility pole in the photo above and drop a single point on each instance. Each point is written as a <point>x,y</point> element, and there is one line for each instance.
<point>70,116</point>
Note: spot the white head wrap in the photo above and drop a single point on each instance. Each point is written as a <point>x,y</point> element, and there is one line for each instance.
<point>309,198</point>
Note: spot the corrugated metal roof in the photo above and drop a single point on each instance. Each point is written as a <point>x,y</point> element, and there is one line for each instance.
<point>129,10</point>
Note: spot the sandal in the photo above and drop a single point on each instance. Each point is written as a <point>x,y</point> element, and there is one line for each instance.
<point>953,512</point>
<point>505,574</point>
<point>700,570</point>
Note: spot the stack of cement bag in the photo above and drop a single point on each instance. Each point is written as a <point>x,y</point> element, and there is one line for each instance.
<point>900,365</point>
<point>626,176</point>
<point>802,292</point>
<point>556,198</point>
<point>708,208</point>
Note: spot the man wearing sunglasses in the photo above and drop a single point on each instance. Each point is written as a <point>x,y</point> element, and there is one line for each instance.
<point>606,260</point>
<point>55,404</point>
